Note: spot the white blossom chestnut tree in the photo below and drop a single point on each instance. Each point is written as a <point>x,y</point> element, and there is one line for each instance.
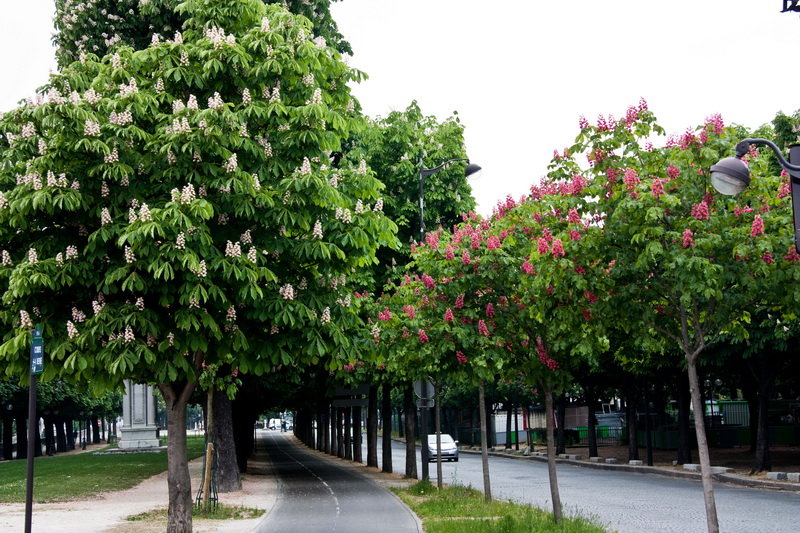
<point>175,207</point>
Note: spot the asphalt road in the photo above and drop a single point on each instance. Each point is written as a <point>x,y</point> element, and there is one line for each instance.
<point>317,495</point>
<point>623,501</point>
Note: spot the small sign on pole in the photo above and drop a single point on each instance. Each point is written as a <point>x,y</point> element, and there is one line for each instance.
<point>37,351</point>
<point>37,366</point>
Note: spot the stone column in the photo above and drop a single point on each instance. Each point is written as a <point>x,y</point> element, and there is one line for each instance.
<point>139,417</point>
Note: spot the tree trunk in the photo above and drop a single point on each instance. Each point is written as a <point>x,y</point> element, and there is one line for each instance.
<point>179,517</point>
<point>591,422</point>
<point>318,438</point>
<point>684,439</point>
<point>49,436</point>
<point>633,437</point>
<point>228,479</point>
<point>95,430</point>
<point>386,419</point>
<point>487,484</point>
<point>647,425</point>
<point>551,452</point>
<point>69,423</point>
<point>61,435</point>
<point>702,447</point>
<point>562,419</point>
<point>334,419</point>
<point>326,428</point>
<point>508,425</point>
<point>348,433</point>
<point>340,414</point>
<point>372,427</point>
<point>22,437</point>
<point>411,450</point>
<point>437,424</point>
<point>358,456</point>
<point>761,460</point>
<point>8,436</point>
<point>516,429</point>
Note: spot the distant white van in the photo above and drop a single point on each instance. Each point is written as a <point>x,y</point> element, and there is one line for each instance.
<point>274,423</point>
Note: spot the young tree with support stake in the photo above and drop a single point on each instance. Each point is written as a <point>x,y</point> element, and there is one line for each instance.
<point>172,207</point>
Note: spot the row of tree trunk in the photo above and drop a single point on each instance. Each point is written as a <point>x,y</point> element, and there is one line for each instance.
<point>58,435</point>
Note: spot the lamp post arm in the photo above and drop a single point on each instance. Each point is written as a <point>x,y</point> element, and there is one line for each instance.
<point>744,146</point>
<point>429,171</point>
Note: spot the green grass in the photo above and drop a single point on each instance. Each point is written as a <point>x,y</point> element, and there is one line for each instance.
<point>220,512</point>
<point>463,510</point>
<point>84,475</point>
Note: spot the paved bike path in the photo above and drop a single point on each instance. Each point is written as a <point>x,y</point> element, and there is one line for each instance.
<point>316,494</point>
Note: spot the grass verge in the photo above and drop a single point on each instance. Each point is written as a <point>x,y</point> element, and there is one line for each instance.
<point>220,512</point>
<point>84,475</point>
<point>463,510</point>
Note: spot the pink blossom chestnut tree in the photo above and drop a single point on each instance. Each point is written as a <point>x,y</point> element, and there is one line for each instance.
<point>172,207</point>
<point>687,264</point>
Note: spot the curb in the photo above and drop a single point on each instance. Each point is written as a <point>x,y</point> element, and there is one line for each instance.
<point>733,479</point>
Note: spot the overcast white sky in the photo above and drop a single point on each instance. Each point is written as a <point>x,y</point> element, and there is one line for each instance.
<point>521,72</point>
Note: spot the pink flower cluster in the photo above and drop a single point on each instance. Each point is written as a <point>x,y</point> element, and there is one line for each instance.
<point>460,357</point>
<point>459,301</point>
<point>758,226</point>
<point>527,268</point>
<point>482,329</point>
<point>409,311</point>
<point>700,211</point>
<point>423,337</point>
<point>558,248</point>
<point>543,357</point>
<point>657,188</point>
<point>385,315</point>
<point>428,281</point>
<point>687,238</point>
<point>448,315</point>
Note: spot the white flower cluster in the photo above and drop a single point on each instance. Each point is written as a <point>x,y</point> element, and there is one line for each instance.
<point>201,269</point>
<point>54,96</point>
<point>344,215</point>
<point>97,305</point>
<point>91,96</point>
<point>72,331</point>
<point>287,291</point>
<point>129,255</point>
<point>122,118</point>
<point>104,192</point>
<point>287,196</point>
<point>344,302</point>
<point>113,157</point>
<point>179,125</point>
<point>25,319</point>
<point>378,205</point>
<point>218,38</point>
<point>3,201</point>
<point>196,158</point>
<point>151,341</point>
<point>233,250</point>
<point>128,337</point>
<point>308,80</point>
<point>155,39</point>
<point>317,232</point>
<point>194,303</point>
<point>180,241</point>
<point>129,88</point>
<point>72,252</point>
<point>243,130</point>
<point>28,130</point>
<point>362,167</point>
<point>232,164</point>
<point>276,93</point>
<point>246,238</point>
<point>5,258</point>
<point>246,98</point>
<point>159,85</point>
<point>265,144</point>
<point>252,254</point>
<point>303,284</point>
<point>139,303</point>
<point>316,98</point>
<point>376,331</point>
<point>320,42</point>
<point>75,97</point>
<point>78,315</point>
<point>191,102</point>
<point>105,216</point>
<point>171,338</point>
<point>305,168</point>
<point>178,39</point>
<point>230,316</point>
<point>177,106</point>
<point>215,102</point>
<point>359,207</point>
<point>144,213</point>
<point>326,315</point>
<point>116,62</point>
<point>91,128</point>
<point>274,330</point>
<point>171,157</point>
<point>256,182</point>
<point>334,181</point>
<point>131,215</point>
<point>184,58</point>
<point>32,256</point>
<point>222,219</point>
<point>265,24</point>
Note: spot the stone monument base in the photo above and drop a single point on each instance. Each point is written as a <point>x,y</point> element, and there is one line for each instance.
<point>138,437</point>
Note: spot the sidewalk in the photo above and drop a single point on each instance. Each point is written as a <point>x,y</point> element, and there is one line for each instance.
<point>107,513</point>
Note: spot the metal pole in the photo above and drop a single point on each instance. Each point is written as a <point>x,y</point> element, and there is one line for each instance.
<point>421,201</point>
<point>32,428</point>
<point>423,433</point>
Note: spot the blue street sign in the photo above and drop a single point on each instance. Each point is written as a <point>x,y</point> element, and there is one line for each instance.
<point>37,351</point>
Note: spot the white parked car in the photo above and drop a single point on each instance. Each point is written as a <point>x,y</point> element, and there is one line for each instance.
<point>449,448</point>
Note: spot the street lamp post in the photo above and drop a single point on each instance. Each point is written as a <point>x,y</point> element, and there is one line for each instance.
<point>471,169</point>
<point>731,175</point>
